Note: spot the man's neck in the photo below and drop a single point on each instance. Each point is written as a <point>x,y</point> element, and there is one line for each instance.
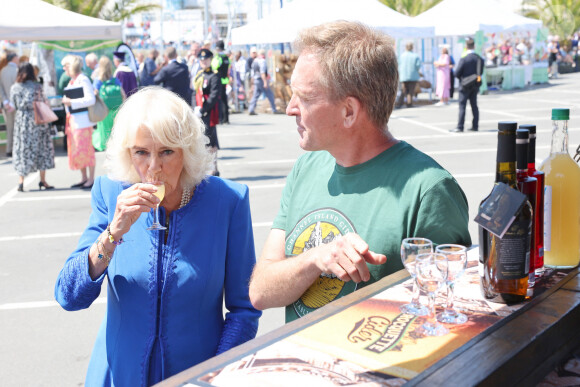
<point>361,148</point>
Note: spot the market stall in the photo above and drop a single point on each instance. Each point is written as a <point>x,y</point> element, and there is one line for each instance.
<point>455,19</point>
<point>283,25</point>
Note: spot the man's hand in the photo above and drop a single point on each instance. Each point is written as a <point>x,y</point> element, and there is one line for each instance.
<point>346,257</point>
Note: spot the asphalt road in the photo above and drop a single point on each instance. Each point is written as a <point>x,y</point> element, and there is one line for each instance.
<point>43,345</point>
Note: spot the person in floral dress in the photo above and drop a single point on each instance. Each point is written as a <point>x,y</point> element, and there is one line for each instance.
<point>33,149</point>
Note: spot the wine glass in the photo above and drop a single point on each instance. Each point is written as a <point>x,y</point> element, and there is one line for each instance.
<point>160,193</point>
<point>431,275</point>
<point>456,264</point>
<point>410,248</point>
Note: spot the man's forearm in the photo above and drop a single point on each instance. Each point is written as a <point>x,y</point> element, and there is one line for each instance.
<point>280,283</point>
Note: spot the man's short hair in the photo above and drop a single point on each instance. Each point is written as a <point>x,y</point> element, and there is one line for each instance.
<point>356,61</point>
<point>171,52</point>
<point>261,51</point>
<point>409,46</point>
<point>469,43</point>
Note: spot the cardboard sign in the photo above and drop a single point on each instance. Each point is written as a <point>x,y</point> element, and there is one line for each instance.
<point>499,210</point>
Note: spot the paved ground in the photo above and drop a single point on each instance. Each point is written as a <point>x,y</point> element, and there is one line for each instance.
<point>42,345</point>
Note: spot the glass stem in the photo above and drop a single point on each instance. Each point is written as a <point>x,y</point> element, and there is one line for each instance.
<point>416,293</point>
<point>450,296</point>
<point>432,308</point>
<point>156,215</point>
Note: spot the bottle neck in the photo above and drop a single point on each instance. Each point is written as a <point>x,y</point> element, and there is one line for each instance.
<point>559,137</point>
<point>506,173</point>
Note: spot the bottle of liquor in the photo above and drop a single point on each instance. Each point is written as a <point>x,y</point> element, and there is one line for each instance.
<point>505,261</point>
<point>528,186</point>
<point>539,207</point>
<point>561,198</point>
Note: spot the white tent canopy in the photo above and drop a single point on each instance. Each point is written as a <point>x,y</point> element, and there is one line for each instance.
<point>283,25</point>
<point>465,17</point>
<point>37,20</point>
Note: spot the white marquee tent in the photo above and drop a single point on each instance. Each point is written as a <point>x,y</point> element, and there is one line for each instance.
<point>31,20</point>
<point>283,25</point>
<point>465,17</point>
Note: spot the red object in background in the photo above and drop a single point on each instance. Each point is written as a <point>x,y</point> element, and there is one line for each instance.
<point>539,210</point>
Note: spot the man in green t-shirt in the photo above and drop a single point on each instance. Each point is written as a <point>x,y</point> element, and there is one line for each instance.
<point>358,192</point>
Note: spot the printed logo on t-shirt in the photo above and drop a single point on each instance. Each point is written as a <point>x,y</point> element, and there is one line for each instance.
<point>319,227</point>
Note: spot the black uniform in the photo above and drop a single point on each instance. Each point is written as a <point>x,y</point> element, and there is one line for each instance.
<point>207,98</point>
<point>222,72</point>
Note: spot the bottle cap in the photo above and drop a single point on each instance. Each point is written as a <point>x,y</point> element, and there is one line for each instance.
<point>510,126</point>
<point>561,114</point>
<point>522,135</point>
<point>530,127</point>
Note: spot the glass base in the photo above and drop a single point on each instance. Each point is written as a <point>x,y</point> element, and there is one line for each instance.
<point>452,317</point>
<point>431,329</point>
<point>157,226</point>
<point>415,309</point>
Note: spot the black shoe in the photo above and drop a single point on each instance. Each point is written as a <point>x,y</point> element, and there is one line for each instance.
<point>278,112</point>
<point>21,187</point>
<point>46,186</point>
<point>253,113</point>
<point>472,129</point>
<point>456,130</point>
<point>8,154</point>
<point>78,185</point>
<point>87,186</point>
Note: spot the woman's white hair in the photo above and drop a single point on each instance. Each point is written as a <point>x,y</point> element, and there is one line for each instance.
<point>171,122</point>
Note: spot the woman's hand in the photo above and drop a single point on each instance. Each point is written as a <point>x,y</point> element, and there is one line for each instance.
<point>66,101</point>
<point>131,203</point>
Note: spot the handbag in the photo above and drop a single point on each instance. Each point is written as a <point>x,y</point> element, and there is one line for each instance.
<point>43,114</point>
<point>99,110</point>
<point>472,80</point>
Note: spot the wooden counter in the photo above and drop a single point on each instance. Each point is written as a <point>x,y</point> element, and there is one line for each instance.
<point>518,350</point>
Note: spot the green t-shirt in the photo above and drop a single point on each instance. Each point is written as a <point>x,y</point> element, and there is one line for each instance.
<point>400,193</point>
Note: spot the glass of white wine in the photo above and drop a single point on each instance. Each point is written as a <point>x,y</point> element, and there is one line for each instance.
<point>160,194</point>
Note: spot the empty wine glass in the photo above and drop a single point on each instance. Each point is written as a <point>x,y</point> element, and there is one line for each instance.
<point>410,249</point>
<point>160,193</point>
<point>431,275</point>
<point>456,264</point>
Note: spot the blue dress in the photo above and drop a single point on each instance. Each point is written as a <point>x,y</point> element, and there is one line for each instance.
<point>164,299</point>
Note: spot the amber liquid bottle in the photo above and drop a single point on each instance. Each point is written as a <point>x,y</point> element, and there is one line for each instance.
<point>505,261</point>
<point>539,207</point>
<point>528,186</point>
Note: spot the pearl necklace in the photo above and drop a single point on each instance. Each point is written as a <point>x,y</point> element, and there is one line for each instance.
<point>185,196</point>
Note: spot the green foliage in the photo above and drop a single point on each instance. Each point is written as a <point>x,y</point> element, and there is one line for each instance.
<point>561,17</point>
<point>121,10</point>
<point>410,7</point>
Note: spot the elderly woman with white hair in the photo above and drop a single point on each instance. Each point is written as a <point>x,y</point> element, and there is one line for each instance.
<point>166,289</point>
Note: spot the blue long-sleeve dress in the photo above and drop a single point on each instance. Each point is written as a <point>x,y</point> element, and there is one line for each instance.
<point>164,299</point>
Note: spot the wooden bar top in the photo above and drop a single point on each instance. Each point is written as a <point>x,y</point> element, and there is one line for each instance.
<point>518,350</point>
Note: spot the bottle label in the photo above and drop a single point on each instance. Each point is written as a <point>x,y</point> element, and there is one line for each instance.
<point>513,252</point>
<point>547,217</point>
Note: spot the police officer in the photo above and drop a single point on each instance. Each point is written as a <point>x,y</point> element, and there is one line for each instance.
<point>220,65</point>
<point>207,94</point>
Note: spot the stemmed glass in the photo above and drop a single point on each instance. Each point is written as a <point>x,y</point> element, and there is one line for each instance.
<point>410,249</point>
<point>431,275</point>
<point>160,194</point>
<point>456,264</point>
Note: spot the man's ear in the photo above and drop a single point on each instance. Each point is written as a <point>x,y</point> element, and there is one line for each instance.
<point>351,110</point>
